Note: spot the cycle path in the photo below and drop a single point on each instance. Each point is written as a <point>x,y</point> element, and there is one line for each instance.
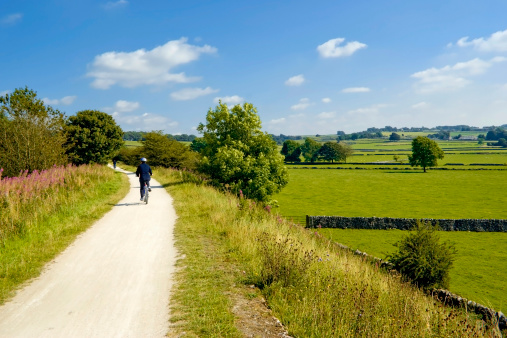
<point>113,281</point>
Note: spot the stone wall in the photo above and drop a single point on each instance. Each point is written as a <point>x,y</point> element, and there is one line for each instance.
<point>384,223</point>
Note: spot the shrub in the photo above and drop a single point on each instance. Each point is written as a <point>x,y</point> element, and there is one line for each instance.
<point>422,259</point>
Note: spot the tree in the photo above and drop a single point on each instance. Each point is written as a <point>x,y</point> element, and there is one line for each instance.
<point>333,151</point>
<point>291,150</point>
<point>93,137</point>
<point>310,149</point>
<point>168,153</point>
<point>394,137</point>
<point>425,153</point>
<point>31,133</point>
<point>422,259</point>
<point>502,143</point>
<point>238,155</point>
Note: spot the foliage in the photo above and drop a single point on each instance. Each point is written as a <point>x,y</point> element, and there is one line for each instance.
<point>423,259</point>
<point>165,152</point>
<point>333,151</point>
<point>291,150</point>
<point>238,155</point>
<point>31,133</point>
<point>133,136</point>
<point>394,137</point>
<point>496,134</point>
<point>279,139</point>
<point>310,149</point>
<point>93,137</point>
<point>502,143</point>
<point>130,155</point>
<point>425,153</point>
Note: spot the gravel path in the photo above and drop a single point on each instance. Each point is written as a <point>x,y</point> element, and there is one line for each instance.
<point>113,281</point>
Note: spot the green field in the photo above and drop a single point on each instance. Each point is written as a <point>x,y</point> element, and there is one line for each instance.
<point>479,272</point>
<point>395,193</point>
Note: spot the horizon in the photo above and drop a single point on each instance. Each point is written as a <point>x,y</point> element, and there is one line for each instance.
<point>308,68</point>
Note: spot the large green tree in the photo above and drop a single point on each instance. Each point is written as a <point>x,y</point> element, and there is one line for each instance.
<point>31,133</point>
<point>167,152</point>
<point>238,155</point>
<point>425,153</point>
<point>93,137</point>
<point>310,149</point>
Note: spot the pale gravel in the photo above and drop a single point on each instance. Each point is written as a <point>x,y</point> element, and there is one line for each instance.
<point>113,281</point>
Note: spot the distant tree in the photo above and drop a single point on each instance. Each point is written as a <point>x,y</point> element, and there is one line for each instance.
<point>422,259</point>
<point>295,156</point>
<point>502,143</point>
<point>425,153</point>
<point>333,151</point>
<point>93,137</point>
<point>310,149</point>
<point>166,152</point>
<point>237,154</point>
<point>31,133</point>
<point>394,137</point>
<point>197,144</point>
<point>288,147</point>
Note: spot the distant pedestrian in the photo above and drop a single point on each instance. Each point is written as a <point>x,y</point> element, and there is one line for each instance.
<point>114,163</point>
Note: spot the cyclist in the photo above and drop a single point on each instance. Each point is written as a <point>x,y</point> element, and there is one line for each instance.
<point>144,173</point>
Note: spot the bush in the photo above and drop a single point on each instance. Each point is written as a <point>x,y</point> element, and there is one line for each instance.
<point>422,259</point>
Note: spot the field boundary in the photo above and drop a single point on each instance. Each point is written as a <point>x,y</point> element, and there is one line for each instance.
<point>385,223</point>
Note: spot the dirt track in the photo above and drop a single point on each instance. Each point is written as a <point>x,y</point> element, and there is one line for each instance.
<point>113,281</point>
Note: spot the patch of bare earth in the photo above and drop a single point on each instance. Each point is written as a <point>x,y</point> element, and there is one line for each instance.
<point>253,316</point>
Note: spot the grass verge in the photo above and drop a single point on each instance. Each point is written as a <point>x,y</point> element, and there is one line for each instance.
<point>315,288</point>
<point>23,255</point>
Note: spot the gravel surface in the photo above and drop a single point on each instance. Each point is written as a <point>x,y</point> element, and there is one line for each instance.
<point>113,281</point>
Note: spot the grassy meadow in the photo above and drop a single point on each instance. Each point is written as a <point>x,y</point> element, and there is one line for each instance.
<point>479,270</point>
<point>394,193</point>
<point>231,247</point>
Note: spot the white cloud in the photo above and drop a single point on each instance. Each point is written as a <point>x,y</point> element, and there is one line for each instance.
<point>11,19</point>
<point>327,115</point>
<point>115,4</point>
<point>192,93</point>
<point>367,111</point>
<point>277,121</point>
<point>303,104</point>
<point>297,80</point>
<point>230,100</point>
<point>331,48</point>
<point>451,78</point>
<point>142,67</point>
<point>326,100</point>
<point>64,101</point>
<point>126,106</point>
<point>144,122</point>
<point>497,42</point>
<point>356,90</point>
<point>419,105</point>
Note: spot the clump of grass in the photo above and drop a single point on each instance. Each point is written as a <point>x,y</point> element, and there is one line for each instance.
<point>315,288</point>
<point>42,212</point>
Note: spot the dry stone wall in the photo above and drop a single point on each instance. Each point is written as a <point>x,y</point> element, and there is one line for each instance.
<point>384,223</point>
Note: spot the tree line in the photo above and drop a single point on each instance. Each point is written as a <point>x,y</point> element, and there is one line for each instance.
<point>313,151</point>
<point>34,136</point>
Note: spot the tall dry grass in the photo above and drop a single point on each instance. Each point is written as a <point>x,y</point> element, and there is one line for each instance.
<point>315,288</point>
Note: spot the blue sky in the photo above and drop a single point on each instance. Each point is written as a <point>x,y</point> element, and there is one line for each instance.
<point>308,66</point>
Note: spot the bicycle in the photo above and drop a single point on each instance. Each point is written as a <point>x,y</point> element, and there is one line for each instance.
<point>146,193</point>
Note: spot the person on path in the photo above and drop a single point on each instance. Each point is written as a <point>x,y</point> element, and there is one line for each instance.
<point>144,173</point>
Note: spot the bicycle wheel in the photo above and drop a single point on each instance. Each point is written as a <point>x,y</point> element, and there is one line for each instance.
<point>146,194</point>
